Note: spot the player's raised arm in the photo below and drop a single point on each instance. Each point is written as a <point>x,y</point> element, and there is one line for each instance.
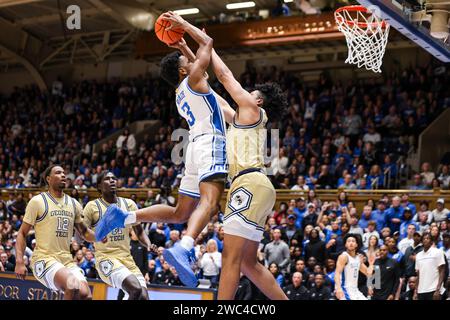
<point>228,111</point>
<point>342,260</point>
<point>21,269</point>
<point>196,79</point>
<point>242,97</point>
<point>185,50</point>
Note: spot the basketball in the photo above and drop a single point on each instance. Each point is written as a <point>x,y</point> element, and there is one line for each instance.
<point>167,36</point>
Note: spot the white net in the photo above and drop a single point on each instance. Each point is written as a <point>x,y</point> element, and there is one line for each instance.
<point>366,35</point>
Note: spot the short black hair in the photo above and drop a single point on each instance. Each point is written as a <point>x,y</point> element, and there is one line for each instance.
<point>355,236</point>
<point>102,176</point>
<point>169,68</point>
<point>48,171</point>
<point>275,100</point>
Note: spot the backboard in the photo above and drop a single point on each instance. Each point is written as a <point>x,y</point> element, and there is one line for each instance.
<point>423,21</point>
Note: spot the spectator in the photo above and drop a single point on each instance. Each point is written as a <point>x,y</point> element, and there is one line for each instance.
<point>310,217</point>
<point>444,177</point>
<point>299,211</point>
<point>139,253</point>
<point>407,241</point>
<point>407,221</point>
<point>369,233</point>
<point>410,255</point>
<point>372,246</point>
<point>244,290</point>
<point>296,290</point>
<point>394,215</point>
<point>410,293</point>
<point>315,247</point>
<point>320,291</point>
<point>393,251</point>
<point>446,248</point>
<point>379,215</point>
<point>18,206</point>
<point>301,184</point>
<point>5,264</point>
<point>418,184</point>
<point>165,276</point>
<point>275,271</point>
<point>157,236</point>
<point>423,209</point>
<point>348,183</point>
<point>426,174</point>
<point>211,263</point>
<point>277,251</point>
<point>440,213</point>
<point>174,239</point>
<point>430,268</point>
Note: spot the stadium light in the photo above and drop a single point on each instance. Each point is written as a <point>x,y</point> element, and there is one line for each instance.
<point>184,12</point>
<point>287,1</point>
<point>240,5</point>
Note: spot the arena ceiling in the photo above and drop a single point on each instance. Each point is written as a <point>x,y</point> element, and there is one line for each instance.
<point>33,33</point>
<point>34,29</point>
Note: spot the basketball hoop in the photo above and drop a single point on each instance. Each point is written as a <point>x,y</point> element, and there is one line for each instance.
<point>366,35</point>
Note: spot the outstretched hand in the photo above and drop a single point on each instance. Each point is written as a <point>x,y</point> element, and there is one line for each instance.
<point>178,45</point>
<point>176,21</point>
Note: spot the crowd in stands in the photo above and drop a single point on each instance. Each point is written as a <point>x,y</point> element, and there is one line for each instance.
<point>335,134</point>
<point>301,243</point>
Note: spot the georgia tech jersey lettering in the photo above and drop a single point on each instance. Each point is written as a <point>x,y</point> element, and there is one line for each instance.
<point>118,244</point>
<point>53,220</point>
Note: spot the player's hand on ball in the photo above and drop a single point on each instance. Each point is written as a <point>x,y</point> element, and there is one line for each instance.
<point>178,45</point>
<point>176,21</point>
<point>21,271</point>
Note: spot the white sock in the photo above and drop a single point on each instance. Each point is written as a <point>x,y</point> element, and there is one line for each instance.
<point>131,218</point>
<point>187,242</point>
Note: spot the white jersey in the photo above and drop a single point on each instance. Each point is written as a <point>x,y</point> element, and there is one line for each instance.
<point>201,111</point>
<point>350,279</point>
<point>351,271</point>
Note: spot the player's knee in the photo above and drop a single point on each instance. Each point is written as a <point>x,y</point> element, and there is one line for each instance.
<point>85,294</point>
<point>135,292</point>
<point>181,216</point>
<point>208,206</point>
<point>144,294</point>
<point>247,265</point>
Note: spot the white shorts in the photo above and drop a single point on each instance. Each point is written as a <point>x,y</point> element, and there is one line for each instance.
<point>205,157</point>
<point>117,276</point>
<point>46,276</point>
<point>353,294</point>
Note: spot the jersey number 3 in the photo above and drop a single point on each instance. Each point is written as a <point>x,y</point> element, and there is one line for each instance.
<point>187,110</point>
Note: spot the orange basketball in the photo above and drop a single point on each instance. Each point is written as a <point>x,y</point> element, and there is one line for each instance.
<point>167,36</point>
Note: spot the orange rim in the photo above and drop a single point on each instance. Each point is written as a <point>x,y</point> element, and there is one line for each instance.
<point>362,9</point>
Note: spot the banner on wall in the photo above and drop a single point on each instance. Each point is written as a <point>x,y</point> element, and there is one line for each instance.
<point>12,288</point>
